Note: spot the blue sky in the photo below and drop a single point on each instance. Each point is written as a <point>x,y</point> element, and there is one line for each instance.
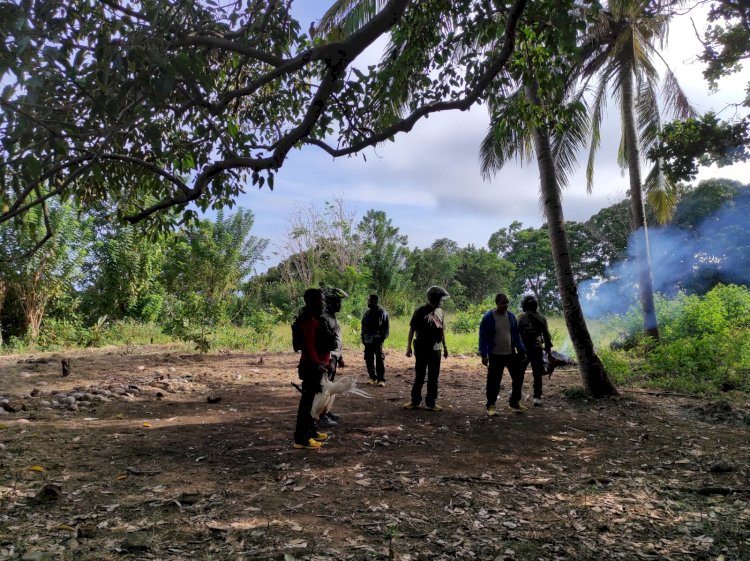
<point>428,180</point>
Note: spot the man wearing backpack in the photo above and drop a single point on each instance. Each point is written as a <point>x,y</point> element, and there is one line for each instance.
<point>537,340</point>
<point>501,347</point>
<point>313,336</point>
<point>375,330</point>
<point>428,322</point>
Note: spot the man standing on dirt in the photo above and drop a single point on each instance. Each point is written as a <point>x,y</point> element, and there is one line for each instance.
<point>501,347</point>
<point>428,322</point>
<point>312,335</point>
<point>375,330</point>
<point>537,340</point>
<point>333,298</point>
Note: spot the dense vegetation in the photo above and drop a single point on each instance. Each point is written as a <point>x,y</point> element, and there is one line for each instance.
<point>98,284</point>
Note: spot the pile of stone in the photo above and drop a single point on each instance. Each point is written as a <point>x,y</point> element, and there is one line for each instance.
<point>78,398</point>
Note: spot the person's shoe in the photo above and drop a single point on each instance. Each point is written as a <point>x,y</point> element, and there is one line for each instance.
<point>516,406</point>
<point>491,411</point>
<point>410,405</point>
<point>326,422</point>
<point>370,382</point>
<point>311,445</point>
<point>320,436</point>
<point>381,383</point>
<point>333,416</point>
<point>435,407</point>
<point>537,402</point>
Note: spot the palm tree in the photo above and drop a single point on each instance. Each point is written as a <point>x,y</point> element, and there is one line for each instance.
<point>624,46</point>
<point>505,140</point>
<point>520,128</point>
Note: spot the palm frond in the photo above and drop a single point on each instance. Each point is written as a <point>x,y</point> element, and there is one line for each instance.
<point>504,141</point>
<point>597,113</point>
<point>642,51</point>
<point>661,194</point>
<point>345,17</point>
<point>647,115</point>
<point>675,99</point>
<point>568,143</point>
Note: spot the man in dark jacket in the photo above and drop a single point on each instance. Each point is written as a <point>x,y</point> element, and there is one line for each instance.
<point>501,347</point>
<point>375,330</point>
<point>536,338</point>
<point>316,340</point>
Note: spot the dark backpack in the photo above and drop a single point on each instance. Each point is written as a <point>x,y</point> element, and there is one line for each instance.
<point>297,337</point>
<point>325,338</point>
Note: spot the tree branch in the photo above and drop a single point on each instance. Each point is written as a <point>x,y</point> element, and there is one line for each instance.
<point>223,44</point>
<point>406,124</point>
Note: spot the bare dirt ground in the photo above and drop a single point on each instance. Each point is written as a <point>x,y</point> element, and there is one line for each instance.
<point>161,473</point>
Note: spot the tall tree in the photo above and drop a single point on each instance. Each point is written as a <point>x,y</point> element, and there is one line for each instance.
<point>156,104</point>
<point>37,275</point>
<point>435,265</point>
<point>624,41</point>
<point>546,120</point>
<point>122,273</point>
<point>211,259</point>
<point>385,251</point>
<point>481,274</point>
<point>321,247</point>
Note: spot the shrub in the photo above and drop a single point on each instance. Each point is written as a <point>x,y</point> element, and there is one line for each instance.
<point>705,346</point>
<point>60,333</point>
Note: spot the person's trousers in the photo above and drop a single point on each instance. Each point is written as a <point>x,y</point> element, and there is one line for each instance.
<point>305,429</point>
<point>495,375</point>
<point>535,357</point>
<point>375,361</point>
<point>426,364</point>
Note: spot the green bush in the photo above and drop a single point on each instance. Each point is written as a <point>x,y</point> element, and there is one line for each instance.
<point>132,332</point>
<point>704,347</point>
<point>58,333</point>
<point>467,321</point>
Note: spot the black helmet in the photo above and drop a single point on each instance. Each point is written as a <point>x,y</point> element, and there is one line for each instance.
<point>529,303</point>
<point>334,293</point>
<point>437,292</point>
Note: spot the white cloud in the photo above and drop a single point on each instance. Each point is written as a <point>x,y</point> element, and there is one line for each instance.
<point>428,180</point>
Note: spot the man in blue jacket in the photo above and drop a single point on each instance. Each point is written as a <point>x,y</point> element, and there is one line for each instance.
<point>501,347</point>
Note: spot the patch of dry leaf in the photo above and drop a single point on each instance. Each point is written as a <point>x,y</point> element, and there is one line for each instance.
<point>164,474</point>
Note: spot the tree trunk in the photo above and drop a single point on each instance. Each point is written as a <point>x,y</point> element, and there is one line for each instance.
<point>638,214</point>
<point>590,367</point>
<point>33,302</point>
<point>3,291</point>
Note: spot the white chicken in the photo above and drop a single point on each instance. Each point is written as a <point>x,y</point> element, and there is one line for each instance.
<point>329,390</point>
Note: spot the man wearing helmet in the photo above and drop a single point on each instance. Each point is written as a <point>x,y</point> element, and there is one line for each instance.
<point>333,298</point>
<point>428,322</point>
<point>536,339</point>
<point>501,347</point>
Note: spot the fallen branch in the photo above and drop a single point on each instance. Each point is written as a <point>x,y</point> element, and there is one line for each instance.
<point>136,471</point>
<point>523,483</point>
<point>708,490</point>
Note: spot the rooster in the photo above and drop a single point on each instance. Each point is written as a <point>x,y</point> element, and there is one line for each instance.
<point>329,390</point>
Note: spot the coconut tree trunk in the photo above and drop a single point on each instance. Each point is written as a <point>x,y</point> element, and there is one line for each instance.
<point>638,214</point>
<point>3,291</point>
<point>590,367</point>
